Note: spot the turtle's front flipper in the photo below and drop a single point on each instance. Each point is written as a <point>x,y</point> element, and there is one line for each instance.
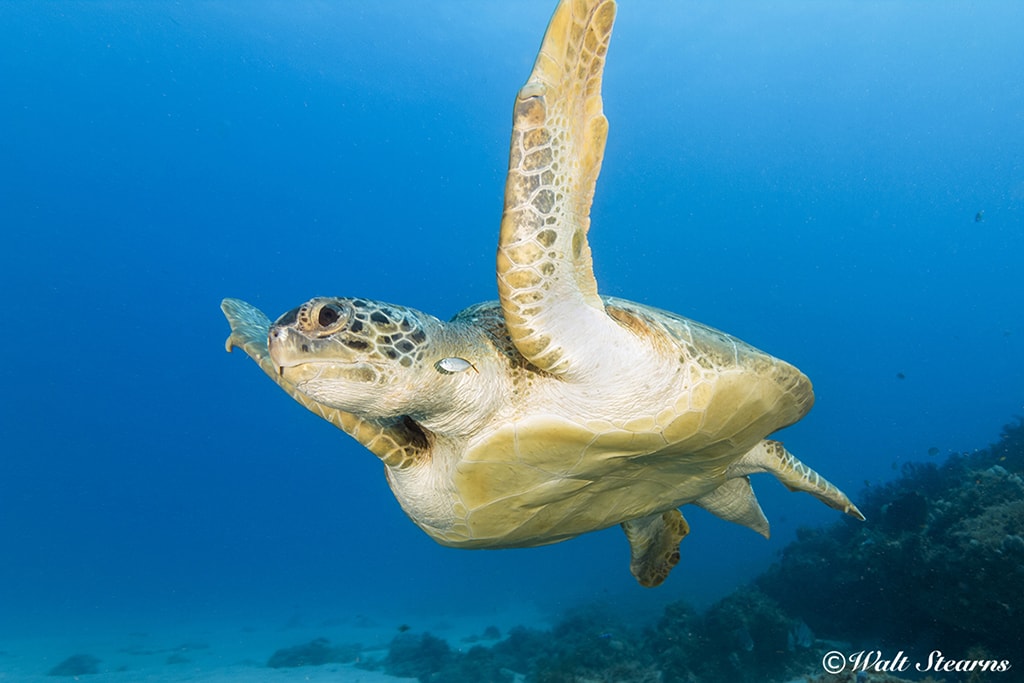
<point>545,274</point>
<point>398,442</point>
<point>770,456</point>
<point>654,545</point>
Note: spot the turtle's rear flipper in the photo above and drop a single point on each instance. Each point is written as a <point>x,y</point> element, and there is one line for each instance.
<point>770,456</point>
<point>654,545</point>
<point>734,501</point>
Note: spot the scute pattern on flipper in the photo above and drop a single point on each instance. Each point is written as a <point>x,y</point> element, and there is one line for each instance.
<point>558,138</point>
<point>772,457</point>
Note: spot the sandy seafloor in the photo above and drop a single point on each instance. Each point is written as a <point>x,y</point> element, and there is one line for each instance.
<point>238,651</point>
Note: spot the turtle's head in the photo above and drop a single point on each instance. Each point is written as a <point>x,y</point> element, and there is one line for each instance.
<point>369,358</point>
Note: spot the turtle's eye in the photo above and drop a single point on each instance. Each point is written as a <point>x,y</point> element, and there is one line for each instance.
<point>332,317</point>
<point>328,316</point>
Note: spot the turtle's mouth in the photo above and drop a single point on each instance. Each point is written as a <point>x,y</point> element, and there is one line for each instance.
<point>311,358</point>
<point>290,348</point>
<point>287,348</point>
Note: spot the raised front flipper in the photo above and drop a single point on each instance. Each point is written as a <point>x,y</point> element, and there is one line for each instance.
<point>545,273</point>
<point>770,456</point>
<point>654,545</point>
<point>396,443</point>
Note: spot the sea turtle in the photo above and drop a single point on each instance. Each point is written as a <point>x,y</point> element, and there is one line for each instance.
<point>553,411</point>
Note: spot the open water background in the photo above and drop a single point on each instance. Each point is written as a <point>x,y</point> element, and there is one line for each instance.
<point>803,175</point>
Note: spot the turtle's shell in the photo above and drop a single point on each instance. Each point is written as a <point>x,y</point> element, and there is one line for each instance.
<point>560,459</point>
<point>554,411</point>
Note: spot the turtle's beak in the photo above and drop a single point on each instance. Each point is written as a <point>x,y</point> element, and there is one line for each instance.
<point>288,347</point>
<point>291,347</point>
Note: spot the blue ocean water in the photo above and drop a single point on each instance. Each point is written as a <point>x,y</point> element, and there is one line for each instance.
<point>839,184</point>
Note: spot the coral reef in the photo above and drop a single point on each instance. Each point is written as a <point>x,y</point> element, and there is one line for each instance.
<point>942,564</point>
<point>587,646</point>
<point>490,633</point>
<point>850,677</point>
<point>592,644</point>
<point>76,665</point>
<point>417,657</point>
<point>743,637</point>
<point>479,664</point>
<point>314,653</point>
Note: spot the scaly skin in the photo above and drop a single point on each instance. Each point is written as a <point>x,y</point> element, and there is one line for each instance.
<point>554,412</point>
<point>545,271</point>
<point>392,440</point>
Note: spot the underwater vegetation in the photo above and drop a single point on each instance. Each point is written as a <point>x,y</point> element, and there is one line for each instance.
<point>588,644</point>
<point>938,565</point>
<point>314,653</point>
<point>413,656</point>
<point>745,637</point>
